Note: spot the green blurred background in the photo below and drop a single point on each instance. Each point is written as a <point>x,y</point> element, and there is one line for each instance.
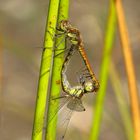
<point>22,27</point>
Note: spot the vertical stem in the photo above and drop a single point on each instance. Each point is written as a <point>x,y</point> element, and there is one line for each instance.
<point>1,54</point>
<point>46,64</point>
<point>1,82</point>
<point>133,91</point>
<point>123,107</point>
<point>109,39</point>
<point>55,86</point>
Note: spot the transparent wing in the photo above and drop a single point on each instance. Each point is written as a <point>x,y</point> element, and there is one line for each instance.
<point>63,100</point>
<point>62,104</point>
<point>63,123</point>
<point>74,104</point>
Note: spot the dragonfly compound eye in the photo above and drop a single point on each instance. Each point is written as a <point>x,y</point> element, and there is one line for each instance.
<point>88,86</point>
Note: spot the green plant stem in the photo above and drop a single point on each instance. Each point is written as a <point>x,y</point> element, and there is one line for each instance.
<point>123,108</point>
<point>109,39</point>
<point>56,79</point>
<point>45,68</point>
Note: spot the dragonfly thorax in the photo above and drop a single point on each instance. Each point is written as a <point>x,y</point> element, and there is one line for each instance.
<point>76,91</point>
<point>71,32</point>
<point>73,38</point>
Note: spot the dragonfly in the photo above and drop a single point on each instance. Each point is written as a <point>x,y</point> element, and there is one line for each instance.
<point>73,35</point>
<point>87,80</point>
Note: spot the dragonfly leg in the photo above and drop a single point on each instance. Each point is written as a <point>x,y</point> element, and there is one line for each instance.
<point>57,35</point>
<point>64,96</point>
<point>87,75</point>
<point>58,43</point>
<point>81,75</point>
<point>81,79</point>
<point>61,41</point>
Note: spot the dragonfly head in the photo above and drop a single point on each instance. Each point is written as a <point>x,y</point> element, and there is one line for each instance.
<point>91,86</point>
<point>88,86</point>
<point>64,25</point>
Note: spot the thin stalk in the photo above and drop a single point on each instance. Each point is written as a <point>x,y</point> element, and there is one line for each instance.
<point>123,107</point>
<point>55,86</point>
<point>1,54</point>
<point>45,70</point>
<point>1,82</point>
<point>128,58</point>
<point>109,39</point>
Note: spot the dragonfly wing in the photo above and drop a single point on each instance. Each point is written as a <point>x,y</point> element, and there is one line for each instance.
<point>76,105</point>
<point>63,123</point>
<point>62,103</point>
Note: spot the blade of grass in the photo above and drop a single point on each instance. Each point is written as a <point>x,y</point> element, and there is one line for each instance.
<point>1,82</point>
<point>109,39</point>
<point>133,91</point>
<point>1,54</point>
<point>123,108</point>
<point>55,86</point>
<point>45,69</point>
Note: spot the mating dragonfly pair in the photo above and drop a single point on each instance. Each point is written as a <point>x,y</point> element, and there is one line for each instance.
<point>87,80</point>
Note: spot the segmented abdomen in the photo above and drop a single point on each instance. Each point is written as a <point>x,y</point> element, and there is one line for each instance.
<point>64,81</point>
